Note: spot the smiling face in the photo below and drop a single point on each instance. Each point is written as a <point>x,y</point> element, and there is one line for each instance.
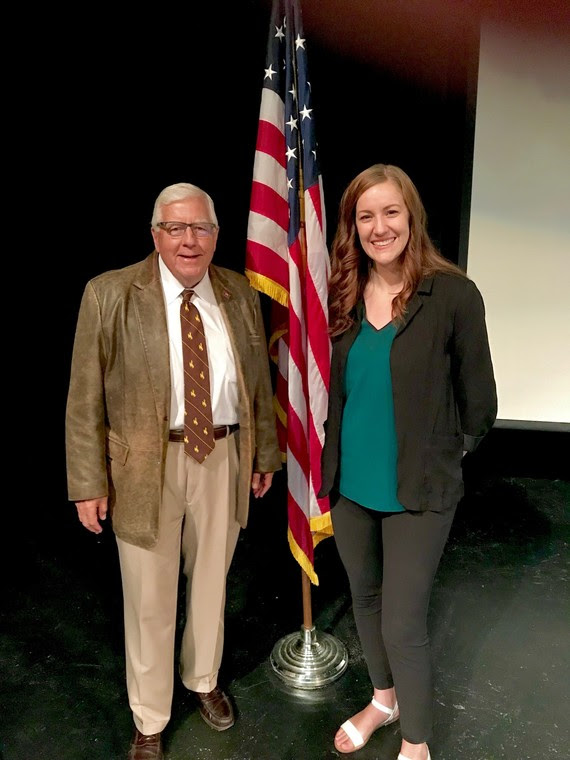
<point>383,225</point>
<point>187,257</point>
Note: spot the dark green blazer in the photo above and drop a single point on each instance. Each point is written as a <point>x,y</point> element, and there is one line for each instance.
<point>444,392</point>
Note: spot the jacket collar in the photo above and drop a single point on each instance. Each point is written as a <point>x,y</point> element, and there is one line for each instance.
<point>221,285</point>
<point>416,302</point>
<point>414,305</point>
<point>149,272</point>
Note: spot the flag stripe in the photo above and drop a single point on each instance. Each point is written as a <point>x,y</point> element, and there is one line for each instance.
<point>269,172</point>
<point>266,202</point>
<point>266,262</point>
<point>271,140</point>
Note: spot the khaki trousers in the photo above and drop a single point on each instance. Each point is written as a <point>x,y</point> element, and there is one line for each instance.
<point>198,523</point>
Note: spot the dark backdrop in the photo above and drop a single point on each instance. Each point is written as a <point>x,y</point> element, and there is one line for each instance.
<point>132,105</point>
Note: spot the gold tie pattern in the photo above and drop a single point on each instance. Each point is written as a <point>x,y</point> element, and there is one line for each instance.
<point>198,426</point>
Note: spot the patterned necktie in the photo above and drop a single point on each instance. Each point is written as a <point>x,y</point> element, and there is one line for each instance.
<point>198,426</point>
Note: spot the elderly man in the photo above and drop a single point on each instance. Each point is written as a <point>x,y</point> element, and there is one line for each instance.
<point>169,424</point>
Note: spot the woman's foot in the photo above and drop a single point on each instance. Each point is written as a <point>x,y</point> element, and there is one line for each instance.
<point>356,732</point>
<point>414,751</point>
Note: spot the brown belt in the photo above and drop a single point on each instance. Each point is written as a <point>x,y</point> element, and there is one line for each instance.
<point>221,431</point>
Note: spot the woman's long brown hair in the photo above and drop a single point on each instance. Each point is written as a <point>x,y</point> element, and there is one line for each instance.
<point>350,266</point>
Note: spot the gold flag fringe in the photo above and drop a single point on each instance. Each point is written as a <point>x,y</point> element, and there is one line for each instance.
<point>268,286</point>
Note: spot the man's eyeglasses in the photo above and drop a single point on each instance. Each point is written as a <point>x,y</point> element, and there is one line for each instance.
<point>178,229</point>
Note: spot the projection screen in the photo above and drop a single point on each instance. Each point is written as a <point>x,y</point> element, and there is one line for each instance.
<point>519,234</point>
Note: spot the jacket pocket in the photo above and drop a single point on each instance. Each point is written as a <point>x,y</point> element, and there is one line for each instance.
<point>117,450</point>
<point>443,476</point>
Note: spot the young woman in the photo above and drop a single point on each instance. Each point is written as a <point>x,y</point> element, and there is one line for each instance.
<point>412,389</point>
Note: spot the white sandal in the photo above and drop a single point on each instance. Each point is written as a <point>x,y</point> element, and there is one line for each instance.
<point>354,734</point>
<point>403,757</point>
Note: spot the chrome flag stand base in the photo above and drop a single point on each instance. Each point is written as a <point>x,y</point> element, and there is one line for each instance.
<point>309,660</point>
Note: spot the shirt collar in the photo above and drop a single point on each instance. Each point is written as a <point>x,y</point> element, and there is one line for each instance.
<point>173,288</point>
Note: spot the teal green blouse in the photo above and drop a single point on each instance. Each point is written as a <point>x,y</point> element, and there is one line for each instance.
<point>368,445</point>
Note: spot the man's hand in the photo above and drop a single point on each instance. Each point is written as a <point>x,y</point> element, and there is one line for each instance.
<point>261,483</point>
<point>90,511</point>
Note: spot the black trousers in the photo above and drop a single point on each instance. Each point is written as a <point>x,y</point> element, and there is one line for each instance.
<point>391,559</point>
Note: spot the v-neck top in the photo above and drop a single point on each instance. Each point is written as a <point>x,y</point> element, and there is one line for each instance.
<point>368,445</point>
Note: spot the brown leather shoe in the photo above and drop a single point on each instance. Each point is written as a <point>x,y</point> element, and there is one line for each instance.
<point>146,747</point>
<point>215,708</point>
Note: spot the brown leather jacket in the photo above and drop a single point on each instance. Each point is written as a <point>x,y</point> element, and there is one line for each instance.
<point>117,421</point>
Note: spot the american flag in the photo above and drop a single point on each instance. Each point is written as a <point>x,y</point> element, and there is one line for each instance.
<point>287,259</point>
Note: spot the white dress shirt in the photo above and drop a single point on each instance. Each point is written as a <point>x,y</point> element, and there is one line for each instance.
<point>223,376</point>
